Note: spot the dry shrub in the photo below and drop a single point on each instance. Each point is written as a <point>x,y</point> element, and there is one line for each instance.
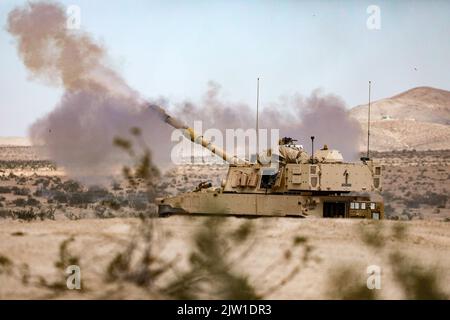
<point>347,283</point>
<point>210,274</point>
<point>416,279</point>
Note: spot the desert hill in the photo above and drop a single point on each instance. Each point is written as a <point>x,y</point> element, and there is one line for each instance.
<point>415,119</point>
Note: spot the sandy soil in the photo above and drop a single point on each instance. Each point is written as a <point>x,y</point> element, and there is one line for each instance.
<point>333,245</point>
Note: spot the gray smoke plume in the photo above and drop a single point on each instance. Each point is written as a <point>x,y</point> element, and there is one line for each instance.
<point>299,117</point>
<point>97,105</point>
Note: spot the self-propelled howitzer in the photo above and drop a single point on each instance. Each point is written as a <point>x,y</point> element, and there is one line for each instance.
<point>283,182</point>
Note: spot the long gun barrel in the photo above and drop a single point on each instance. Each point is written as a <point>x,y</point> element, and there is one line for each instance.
<point>190,134</point>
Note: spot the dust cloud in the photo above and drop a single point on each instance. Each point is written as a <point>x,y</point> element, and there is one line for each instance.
<point>98,105</point>
<point>321,115</point>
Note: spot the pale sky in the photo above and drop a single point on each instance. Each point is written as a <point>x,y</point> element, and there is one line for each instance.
<point>173,48</point>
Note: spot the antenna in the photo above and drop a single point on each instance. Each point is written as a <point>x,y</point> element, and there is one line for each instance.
<point>257,120</point>
<point>368,126</point>
<point>312,149</point>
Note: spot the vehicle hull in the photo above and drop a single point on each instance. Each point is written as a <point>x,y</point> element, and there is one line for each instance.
<point>251,204</point>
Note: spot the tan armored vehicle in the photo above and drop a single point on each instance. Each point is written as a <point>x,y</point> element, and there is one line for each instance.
<point>296,184</point>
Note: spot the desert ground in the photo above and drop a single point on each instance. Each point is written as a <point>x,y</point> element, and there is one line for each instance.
<point>48,222</point>
<point>330,263</point>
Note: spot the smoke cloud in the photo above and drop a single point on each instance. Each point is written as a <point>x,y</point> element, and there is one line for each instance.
<point>321,115</point>
<point>98,105</point>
